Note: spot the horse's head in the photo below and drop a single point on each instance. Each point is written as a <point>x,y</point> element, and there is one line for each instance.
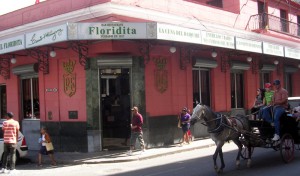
<point>199,113</point>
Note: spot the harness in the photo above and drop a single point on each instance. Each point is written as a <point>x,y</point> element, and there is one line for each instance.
<point>221,123</point>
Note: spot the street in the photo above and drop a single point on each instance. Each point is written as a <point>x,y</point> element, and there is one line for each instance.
<point>194,162</point>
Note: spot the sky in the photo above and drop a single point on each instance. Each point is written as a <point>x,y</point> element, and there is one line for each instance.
<point>7,6</point>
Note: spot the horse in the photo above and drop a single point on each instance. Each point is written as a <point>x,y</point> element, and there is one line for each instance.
<point>222,129</point>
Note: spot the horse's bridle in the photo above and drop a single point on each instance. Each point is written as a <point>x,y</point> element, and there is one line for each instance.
<point>216,130</point>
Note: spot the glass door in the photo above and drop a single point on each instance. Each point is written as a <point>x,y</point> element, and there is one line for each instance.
<point>115,107</point>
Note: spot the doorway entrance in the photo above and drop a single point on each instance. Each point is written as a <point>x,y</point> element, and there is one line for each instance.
<point>115,103</point>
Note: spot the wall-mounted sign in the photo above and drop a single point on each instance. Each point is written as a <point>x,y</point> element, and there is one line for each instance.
<point>109,30</point>
<point>176,33</point>
<point>219,40</point>
<point>12,44</point>
<point>272,49</point>
<point>292,53</point>
<point>51,89</point>
<point>248,45</point>
<point>46,36</point>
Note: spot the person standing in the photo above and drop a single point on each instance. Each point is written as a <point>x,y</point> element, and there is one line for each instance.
<point>136,130</point>
<point>185,125</point>
<point>279,105</point>
<point>43,150</point>
<point>10,132</point>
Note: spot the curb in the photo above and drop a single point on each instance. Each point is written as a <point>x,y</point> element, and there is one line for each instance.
<point>141,157</point>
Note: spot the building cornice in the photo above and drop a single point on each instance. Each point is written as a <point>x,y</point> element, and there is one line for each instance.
<point>110,8</point>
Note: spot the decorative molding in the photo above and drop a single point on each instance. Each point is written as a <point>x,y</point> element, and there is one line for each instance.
<point>42,57</point>
<point>5,66</point>
<point>69,78</point>
<point>161,74</point>
<point>82,49</point>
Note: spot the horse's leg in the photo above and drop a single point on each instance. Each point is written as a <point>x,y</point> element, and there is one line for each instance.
<point>220,153</point>
<point>215,158</point>
<point>249,156</point>
<point>240,146</point>
<point>222,160</point>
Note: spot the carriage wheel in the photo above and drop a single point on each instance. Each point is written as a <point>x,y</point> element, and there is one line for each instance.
<point>287,148</point>
<point>244,153</point>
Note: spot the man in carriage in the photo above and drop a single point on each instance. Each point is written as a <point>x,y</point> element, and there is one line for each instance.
<point>278,107</point>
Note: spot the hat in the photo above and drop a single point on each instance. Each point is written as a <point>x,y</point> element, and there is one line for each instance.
<point>184,109</point>
<point>268,85</point>
<point>134,108</point>
<point>276,82</point>
<point>10,114</point>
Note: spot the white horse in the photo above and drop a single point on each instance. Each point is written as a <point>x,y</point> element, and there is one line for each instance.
<point>222,129</point>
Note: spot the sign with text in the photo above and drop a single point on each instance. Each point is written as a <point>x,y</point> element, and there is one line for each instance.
<point>219,40</point>
<point>272,49</point>
<point>46,36</point>
<point>110,30</point>
<point>292,53</point>
<point>12,44</point>
<point>248,45</point>
<point>176,33</point>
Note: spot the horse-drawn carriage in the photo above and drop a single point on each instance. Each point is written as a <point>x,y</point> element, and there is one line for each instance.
<point>262,132</point>
<point>248,134</point>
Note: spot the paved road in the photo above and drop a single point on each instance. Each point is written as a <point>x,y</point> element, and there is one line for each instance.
<point>191,163</point>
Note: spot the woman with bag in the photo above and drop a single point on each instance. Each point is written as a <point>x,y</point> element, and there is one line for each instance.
<point>46,147</point>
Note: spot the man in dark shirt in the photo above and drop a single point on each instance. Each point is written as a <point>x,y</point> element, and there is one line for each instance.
<point>136,130</point>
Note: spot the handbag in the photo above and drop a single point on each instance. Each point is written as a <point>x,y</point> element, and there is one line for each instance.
<point>49,146</point>
<point>179,123</point>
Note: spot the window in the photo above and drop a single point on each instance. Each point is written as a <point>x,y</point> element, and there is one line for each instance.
<point>3,101</point>
<point>262,11</point>
<point>283,20</point>
<point>215,3</point>
<point>265,77</point>
<point>288,83</point>
<point>237,90</point>
<point>201,86</point>
<point>30,100</point>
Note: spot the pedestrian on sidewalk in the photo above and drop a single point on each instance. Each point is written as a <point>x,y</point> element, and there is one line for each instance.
<point>10,133</point>
<point>44,140</point>
<point>136,130</point>
<point>185,125</point>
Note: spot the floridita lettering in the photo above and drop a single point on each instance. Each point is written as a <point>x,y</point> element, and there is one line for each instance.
<point>54,34</point>
<point>10,44</point>
<point>111,31</point>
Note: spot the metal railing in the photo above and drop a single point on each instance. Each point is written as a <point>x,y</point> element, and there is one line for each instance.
<point>271,22</point>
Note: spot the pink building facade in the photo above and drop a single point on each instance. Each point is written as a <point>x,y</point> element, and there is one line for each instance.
<point>77,67</point>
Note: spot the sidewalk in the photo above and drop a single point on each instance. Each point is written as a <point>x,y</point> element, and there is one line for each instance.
<point>120,156</point>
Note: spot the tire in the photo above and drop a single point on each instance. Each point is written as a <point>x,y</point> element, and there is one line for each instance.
<point>287,148</point>
<point>244,152</point>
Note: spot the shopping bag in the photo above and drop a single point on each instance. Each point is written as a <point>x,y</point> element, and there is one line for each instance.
<point>49,146</point>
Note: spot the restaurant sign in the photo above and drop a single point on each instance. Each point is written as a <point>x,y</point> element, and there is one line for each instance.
<point>272,49</point>
<point>110,30</point>
<point>176,33</point>
<point>292,53</point>
<point>218,40</point>
<point>12,44</point>
<point>248,45</point>
<point>46,36</point>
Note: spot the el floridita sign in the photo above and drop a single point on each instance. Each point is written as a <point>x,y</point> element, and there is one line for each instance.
<point>149,30</point>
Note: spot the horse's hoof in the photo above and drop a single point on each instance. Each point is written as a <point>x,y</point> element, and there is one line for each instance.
<point>220,171</point>
<point>249,163</point>
<point>237,164</point>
